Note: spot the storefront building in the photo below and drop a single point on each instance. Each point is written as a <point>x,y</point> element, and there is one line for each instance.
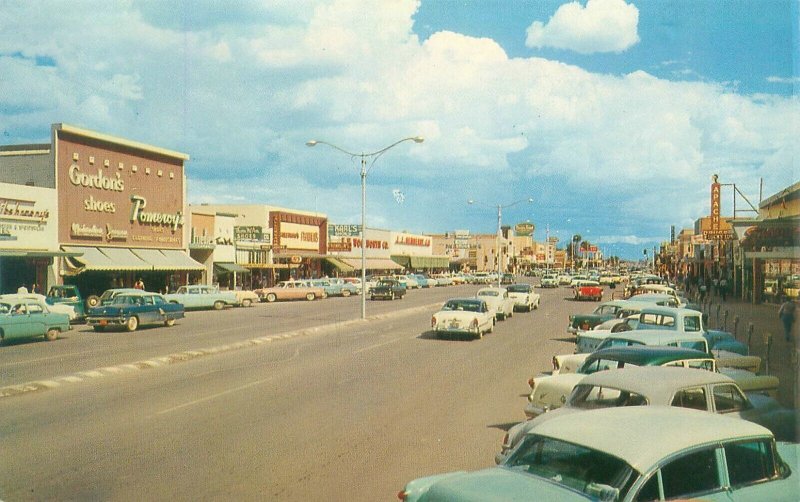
<point>28,238</point>
<point>414,252</point>
<point>276,243</point>
<point>344,245</point>
<point>768,253</point>
<point>121,212</point>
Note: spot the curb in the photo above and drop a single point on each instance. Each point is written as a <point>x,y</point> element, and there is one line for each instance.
<point>181,357</point>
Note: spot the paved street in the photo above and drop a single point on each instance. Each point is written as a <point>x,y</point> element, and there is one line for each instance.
<point>349,414</point>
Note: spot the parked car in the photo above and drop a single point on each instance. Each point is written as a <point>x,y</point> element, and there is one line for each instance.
<point>26,318</point>
<point>498,301</point>
<point>463,316</point>
<point>672,319</point>
<point>549,392</point>
<point>245,298</point>
<point>665,386</point>
<point>408,281</point>
<point>331,287</point>
<point>109,294</point>
<point>388,289</point>
<point>443,280</point>
<point>68,294</point>
<point>507,279</point>
<point>605,311</point>
<point>587,290</point>
<point>524,296</point>
<point>600,456</point>
<point>58,308</point>
<point>351,287</point>
<point>134,309</point>
<point>200,296</point>
<point>355,281</point>
<point>425,282</point>
<point>290,290</point>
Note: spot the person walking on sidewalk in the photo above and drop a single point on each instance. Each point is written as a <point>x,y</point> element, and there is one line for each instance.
<point>787,314</point>
<point>723,288</point>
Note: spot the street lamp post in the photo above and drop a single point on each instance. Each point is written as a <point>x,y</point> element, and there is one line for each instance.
<point>364,170</point>
<point>499,230</point>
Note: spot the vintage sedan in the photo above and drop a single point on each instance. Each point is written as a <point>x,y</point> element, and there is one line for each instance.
<point>332,287</point>
<point>353,287</point>
<point>524,296</point>
<point>131,310</point>
<point>665,386</point>
<point>549,392</point>
<point>463,316</point>
<point>605,311</point>
<point>246,298</point>
<point>200,296</point>
<point>58,308</point>
<point>549,281</point>
<point>290,290</point>
<point>25,318</point>
<point>587,290</point>
<point>629,454</point>
<point>387,289</point>
<point>498,301</point>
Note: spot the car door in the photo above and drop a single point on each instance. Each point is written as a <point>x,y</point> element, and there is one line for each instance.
<point>37,320</point>
<point>17,326</point>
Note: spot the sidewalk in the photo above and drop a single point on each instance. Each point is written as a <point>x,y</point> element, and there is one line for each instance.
<point>780,359</point>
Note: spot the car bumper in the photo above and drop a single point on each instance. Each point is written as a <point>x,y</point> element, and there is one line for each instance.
<point>105,321</point>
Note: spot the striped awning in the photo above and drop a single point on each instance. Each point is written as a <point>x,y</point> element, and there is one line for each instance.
<point>231,267</point>
<point>422,262</point>
<point>86,259</point>
<point>341,265</point>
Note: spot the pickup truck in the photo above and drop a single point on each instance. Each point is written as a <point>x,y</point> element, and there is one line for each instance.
<point>68,294</point>
<point>202,297</point>
<point>588,290</point>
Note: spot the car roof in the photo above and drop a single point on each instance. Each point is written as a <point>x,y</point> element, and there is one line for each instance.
<point>663,335</point>
<point>673,311</point>
<point>651,355</point>
<point>650,433</point>
<point>651,297</point>
<point>654,380</point>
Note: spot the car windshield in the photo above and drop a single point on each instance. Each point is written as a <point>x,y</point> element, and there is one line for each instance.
<point>573,466</point>
<point>591,397</point>
<point>5,308</point>
<point>462,305</point>
<point>519,288</point>
<point>488,293</point>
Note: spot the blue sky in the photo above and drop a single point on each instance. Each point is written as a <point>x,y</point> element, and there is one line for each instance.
<point>611,114</point>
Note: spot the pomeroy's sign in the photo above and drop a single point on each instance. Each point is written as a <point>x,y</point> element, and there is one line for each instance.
<point>138,213</point>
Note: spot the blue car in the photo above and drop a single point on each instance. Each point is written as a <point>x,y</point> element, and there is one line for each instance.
<point>133,309</point>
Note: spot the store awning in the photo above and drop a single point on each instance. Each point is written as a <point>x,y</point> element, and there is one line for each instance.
<point>372,263</point>
<point>422,262</point>
<point>25,253</point>
<point>341,265</point>
<point>86,259</point>
<point>231,267</point>
<point>179,260</point>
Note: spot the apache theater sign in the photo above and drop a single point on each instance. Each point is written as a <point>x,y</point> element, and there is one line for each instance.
<point>118,193</point>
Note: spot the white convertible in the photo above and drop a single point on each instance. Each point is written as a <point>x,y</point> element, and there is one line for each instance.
<point>463,316</point>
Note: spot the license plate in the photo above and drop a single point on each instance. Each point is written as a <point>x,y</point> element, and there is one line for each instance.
<point>454,325</point>
<point>103,322</point>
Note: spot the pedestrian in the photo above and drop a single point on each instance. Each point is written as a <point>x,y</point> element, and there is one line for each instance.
<point>34,288</point>
<point>139,284</point>
<point>714,286</point>
<point>702,290</point>
<point>786,315</point>
<point>723,288</point>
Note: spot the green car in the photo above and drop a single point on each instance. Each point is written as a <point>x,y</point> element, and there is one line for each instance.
<point>22,319</point>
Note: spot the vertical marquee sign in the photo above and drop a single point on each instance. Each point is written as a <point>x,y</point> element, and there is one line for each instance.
<point>715,204</point>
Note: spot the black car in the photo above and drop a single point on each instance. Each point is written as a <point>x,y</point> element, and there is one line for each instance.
<point>388,289</point>
<point>507,279</point>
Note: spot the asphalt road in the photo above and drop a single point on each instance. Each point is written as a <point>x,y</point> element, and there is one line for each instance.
<point>351,413</point>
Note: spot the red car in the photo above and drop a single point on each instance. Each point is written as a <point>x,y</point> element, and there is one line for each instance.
<point>588,290</point>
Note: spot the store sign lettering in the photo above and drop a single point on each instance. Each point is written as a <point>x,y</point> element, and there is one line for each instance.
<point>301,236</point>
<point>99,180</point>
<point>22,209</point>
<point>152,218</point>
<point>715,206</point>
<point>412,241</point>
<point>370,244</point>
<point>99,206</point>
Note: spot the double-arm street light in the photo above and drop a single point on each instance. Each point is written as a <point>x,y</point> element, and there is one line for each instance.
<point>364,170</point>
<point>499,229</point>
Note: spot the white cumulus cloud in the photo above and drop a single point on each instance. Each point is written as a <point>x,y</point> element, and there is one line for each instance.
<point>601,26</point>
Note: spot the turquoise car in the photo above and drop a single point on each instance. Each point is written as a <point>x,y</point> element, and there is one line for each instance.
<point>131,310</point>
<point>630,453</point>
<point>202,297</point>
<point>22,319</point>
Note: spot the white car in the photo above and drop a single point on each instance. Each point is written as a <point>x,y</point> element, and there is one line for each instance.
<point>463,316</point>
<point>525,298</point>
<point>59,308</point>
<point>498,301</point>
<point>549,281</point>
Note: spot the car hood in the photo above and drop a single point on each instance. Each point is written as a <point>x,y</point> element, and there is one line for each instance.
<point>498,484</point>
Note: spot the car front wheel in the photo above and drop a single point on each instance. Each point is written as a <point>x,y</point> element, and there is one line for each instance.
<point>310,297</point>
<point>246,303</point>
<point>132,324</point>
<point>271,297</point>
<point>345,293</point>
<point>51,334</point>
<point>169,322</point>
